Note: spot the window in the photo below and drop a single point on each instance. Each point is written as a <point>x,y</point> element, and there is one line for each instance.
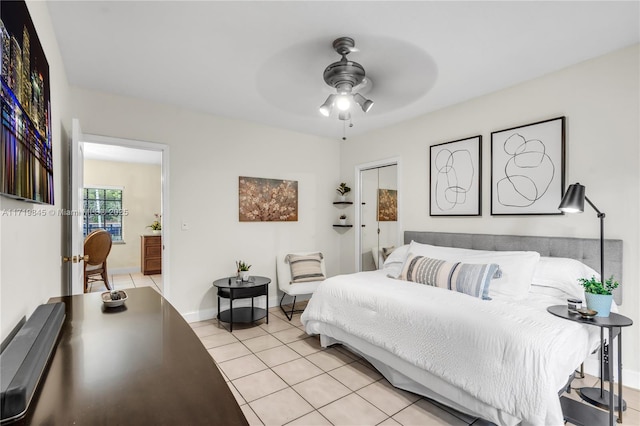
<point>103,210</point>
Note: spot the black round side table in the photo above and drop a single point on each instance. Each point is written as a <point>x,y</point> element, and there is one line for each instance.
<point>614,323</point>
<point>232,289</point>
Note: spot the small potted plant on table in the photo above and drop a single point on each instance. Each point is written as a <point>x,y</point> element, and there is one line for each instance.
<point>599,294</point>
<point>343,219</point>
<point>243,270</point>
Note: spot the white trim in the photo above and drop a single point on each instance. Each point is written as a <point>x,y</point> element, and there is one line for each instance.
<point>120,271</point>
<point>357,202</point>
<point>211,313</point>
<point>166,213</point>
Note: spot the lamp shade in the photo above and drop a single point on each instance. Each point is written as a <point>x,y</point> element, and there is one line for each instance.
<point>573,200</point>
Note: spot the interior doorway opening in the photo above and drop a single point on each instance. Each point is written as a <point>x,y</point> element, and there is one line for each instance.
<point>139,171</point>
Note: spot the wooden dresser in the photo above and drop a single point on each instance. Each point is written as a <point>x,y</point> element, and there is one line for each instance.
<point>151,254</point>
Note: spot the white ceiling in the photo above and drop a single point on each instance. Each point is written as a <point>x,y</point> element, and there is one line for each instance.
<point>97,151</point>
<point>263,61</point>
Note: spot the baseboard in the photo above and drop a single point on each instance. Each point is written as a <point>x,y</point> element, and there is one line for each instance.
<point>206,314</point>
<point>120,271</point>
<point>630,378</point>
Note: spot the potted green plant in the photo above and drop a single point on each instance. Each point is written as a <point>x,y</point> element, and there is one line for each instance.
<point>156,226</point>
<point>343,190</point>
<point>343,219</point>
<point>243,270</point>
<point>599,294</point>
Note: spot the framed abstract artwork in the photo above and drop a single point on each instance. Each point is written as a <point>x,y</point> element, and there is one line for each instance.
<point>456,177</point>
<point>267,200</point>
<point>26,151</point>
<point>527,168</point>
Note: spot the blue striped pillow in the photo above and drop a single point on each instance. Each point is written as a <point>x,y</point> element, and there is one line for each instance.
<point>468,278</point>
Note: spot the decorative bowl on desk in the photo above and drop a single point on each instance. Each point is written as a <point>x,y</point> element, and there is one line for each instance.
<point>587,313</point>
<point>112,299</point>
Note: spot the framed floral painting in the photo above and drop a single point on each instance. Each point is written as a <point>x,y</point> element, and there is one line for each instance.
<point>267,200</point>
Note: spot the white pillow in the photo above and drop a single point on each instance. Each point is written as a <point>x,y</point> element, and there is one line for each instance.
<point>516,267</point>
<point>562,273</point>
<point>376,253</point>
<point>393,265</point>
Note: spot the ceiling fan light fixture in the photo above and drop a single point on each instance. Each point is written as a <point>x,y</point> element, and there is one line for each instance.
<point>343,102</point>
<point>364,103</point>
<point>344,115</point>
<point>327,106</point>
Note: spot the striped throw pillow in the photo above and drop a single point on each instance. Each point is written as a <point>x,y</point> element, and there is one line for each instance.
<point>305,268</point>
<point>467,278</point>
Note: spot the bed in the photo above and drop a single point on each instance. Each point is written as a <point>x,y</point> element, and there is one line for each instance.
<point>498,356</point>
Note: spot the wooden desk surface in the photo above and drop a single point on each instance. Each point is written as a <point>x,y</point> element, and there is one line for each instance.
<point>137,364</point>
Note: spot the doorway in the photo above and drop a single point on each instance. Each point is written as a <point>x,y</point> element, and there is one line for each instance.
<point>377,216</point>
<point>118,157</point>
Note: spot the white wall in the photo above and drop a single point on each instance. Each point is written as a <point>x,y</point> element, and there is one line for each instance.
<point>141,199</point>
<point>207,155</point>
<point>30,246</point>
<point>600,99</point>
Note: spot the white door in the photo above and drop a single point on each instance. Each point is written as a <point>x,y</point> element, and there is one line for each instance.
<point>76,218</point>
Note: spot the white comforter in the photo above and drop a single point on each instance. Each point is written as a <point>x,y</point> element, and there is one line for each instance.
<point>511,355</point>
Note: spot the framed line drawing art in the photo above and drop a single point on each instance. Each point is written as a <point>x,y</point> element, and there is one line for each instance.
<point>455,178</point>
<point>527,168</point>
<point>267,200</point>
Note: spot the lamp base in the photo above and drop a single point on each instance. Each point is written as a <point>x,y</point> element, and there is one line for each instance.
<point>592,396</point>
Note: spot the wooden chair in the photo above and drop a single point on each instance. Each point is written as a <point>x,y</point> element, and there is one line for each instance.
<point>97,246</point>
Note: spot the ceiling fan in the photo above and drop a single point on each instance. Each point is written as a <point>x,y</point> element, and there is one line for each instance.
<point>343,76</point>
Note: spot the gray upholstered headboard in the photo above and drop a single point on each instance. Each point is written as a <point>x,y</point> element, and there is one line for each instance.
<point>585,250</point>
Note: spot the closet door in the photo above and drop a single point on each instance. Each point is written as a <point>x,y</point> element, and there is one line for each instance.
<point>368,218</point>
<point>378,215</point>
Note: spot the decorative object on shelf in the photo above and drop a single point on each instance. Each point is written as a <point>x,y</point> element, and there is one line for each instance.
<point>387,205</point>
<point>243,270</point>
<point>343,219</point>
<point>343,190</point>
<point>345,76</point>
<point>156,226</point>
<point>267,200</point>
<point>527,168</point>
<point>114,298</point>
<point>599,294</point>
<point>456,178</point>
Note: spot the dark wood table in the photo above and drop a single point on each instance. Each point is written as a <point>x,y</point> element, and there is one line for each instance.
<point>137,364</point>
<point>232,289</point>
<point>599,397</point>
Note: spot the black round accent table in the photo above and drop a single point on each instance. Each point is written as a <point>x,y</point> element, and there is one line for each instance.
<point>614,323</point>
<point>232,289</point>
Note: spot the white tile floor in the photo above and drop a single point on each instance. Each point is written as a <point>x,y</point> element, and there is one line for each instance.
<point>124,281</point>
<point>280,375</point>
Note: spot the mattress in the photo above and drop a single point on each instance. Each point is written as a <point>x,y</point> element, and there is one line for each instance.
<point>502,360</point>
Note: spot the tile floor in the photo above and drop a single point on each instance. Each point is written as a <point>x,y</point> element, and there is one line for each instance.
<point>280,375</point>
<point>124,281</point>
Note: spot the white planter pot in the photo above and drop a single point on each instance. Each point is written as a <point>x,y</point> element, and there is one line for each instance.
<point>342,198</point>
<point>342,221</point>
<point>243,275</point>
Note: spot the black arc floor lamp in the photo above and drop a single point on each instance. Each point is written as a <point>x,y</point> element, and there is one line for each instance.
<point>573,202</point>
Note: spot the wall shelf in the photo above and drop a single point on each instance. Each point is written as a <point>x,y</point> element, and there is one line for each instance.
<point>343,202</point>
<point>343,226</point>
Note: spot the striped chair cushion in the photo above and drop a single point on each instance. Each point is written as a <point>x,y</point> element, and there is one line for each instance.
<point>467,278</point>
<point>305,268</point>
